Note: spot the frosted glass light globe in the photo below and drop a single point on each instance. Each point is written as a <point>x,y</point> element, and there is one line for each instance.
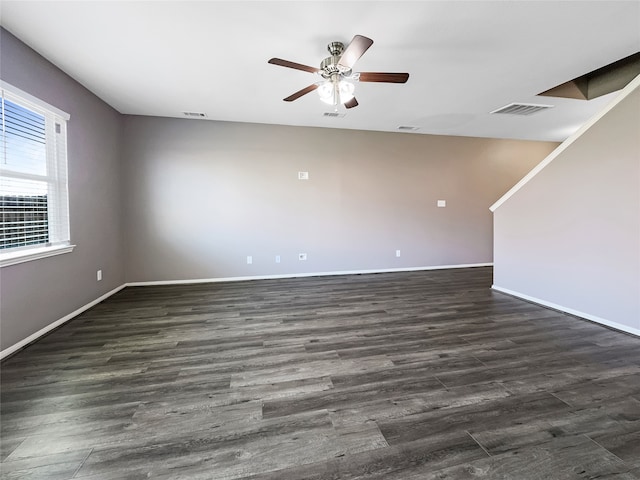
<point>336,93</point>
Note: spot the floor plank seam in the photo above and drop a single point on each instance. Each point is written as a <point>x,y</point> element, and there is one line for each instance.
<point>566,403</point>
<point>479,444</point>
<point>603,448</point>
<point>441,382</point>
<point>82,463</point>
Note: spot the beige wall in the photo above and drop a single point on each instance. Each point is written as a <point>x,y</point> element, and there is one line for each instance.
<point>570,237</point>
<point>203,195</point>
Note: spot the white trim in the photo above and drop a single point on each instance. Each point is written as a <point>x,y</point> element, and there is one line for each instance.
<point>300,275</point>
<point>29,254</point>
<point>57,323</point>
<point>33,100</point>
<point>564,145</point>
<point>570,311</point>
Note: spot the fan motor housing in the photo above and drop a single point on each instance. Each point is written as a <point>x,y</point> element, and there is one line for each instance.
<point>329,66</point>
<point>335,48</point>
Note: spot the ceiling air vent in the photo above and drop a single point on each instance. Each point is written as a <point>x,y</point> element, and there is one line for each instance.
<point>522,108</point>
<point>195,114</point>
<point>333,114</point>
<point>408,128</point>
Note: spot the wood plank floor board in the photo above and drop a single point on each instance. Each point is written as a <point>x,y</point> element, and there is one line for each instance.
<point>598,421</point>
<point>46,467</point>
<point>73,422</point>
<point>497,372</point>
<point>234,451</point>
<point>8,443</point>
<point>624,443</point>
<point>78,399</point>
<point>600,390</point>
<point>476,417</point>
<point>391,463</point>
<point>399,407</point>
<point>398,376</point>
<point>569,458</point>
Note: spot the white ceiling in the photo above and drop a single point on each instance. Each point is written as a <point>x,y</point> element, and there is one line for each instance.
<point>465,58</point>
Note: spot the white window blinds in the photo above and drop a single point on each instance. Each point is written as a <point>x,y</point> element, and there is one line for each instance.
<point>34,205</point>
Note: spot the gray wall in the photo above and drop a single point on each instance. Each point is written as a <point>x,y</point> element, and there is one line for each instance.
<point>196,197</point>
<point>571,236</point>
<point>37,293</point>
<point>203,195</point>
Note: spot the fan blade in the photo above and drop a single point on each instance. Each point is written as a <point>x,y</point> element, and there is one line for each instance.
<point>351,103</point>
<point>384,77</point>
<point>354,51</point>
<point>300,93</point>
<point>297,66</point>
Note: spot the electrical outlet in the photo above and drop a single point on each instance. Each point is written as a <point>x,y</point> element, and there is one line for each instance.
<point>442,203</point>
<point>302,256</point>
<point>277,258</point>
<point>397,253</point>
<point>99,275</point>
<point>303,175</point>
<point>249,259</point>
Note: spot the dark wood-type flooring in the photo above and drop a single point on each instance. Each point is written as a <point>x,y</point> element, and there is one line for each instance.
<point>425,375</point>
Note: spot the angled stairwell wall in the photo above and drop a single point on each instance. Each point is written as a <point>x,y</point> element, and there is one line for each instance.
<point>568,235</point>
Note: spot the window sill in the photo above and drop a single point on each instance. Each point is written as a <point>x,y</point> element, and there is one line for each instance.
<point>30,254</point>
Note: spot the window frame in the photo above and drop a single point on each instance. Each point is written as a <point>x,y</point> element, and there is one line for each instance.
<point>56,159</point>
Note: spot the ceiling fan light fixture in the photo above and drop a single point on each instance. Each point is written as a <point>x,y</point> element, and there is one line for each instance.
<point>326,91</point>
<point>334,92</point>
<point>346,90</point>
<point>337,87</point>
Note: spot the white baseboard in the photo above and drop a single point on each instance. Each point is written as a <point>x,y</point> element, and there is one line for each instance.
<point>570,311</point>
<point>31,338</point>
<point>300,275</point>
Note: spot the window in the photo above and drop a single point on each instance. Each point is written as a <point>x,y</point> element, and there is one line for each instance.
<point>34,204</point>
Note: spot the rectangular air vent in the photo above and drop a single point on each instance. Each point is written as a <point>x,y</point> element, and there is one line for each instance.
<point>408,128</point>
<point>522,108</point>
<point>333,114</point>
<point>195,114</point>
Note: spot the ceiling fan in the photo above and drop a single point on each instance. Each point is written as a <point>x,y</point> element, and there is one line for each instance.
<point>336,87</point>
